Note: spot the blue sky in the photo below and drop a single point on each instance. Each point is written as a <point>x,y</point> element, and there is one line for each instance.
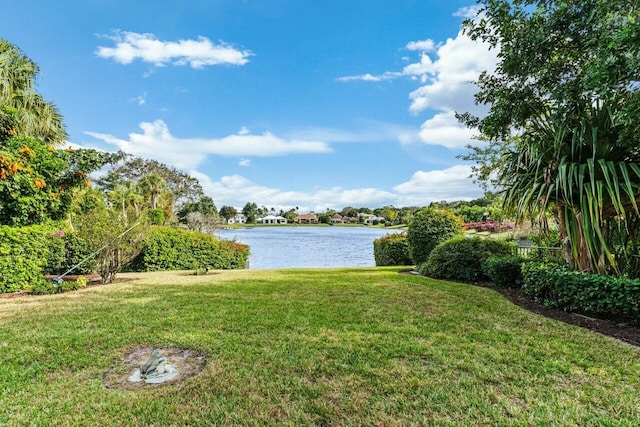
<point>316,104</point>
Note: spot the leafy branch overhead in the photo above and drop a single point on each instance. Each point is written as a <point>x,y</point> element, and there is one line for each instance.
<point>563,120</point>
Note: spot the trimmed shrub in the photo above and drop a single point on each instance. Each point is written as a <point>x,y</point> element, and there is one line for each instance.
<point>428,228</point>
<point>46,288</point>
<point>558,286</point>
<point>461,258</point>
<point>26,253</point>
<point>173,249</point>
<point>392,249</point>
<point>76,250</point>
<point>504,271</point>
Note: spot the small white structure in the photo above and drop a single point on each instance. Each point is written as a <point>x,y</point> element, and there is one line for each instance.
<point>237,219</point>
<point>272,219</point>
<point>369,218</point>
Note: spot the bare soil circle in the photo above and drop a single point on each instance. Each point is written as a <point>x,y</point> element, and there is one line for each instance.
<point>188,363</point>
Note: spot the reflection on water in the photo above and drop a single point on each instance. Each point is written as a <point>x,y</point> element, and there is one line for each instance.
<point>308,247</point>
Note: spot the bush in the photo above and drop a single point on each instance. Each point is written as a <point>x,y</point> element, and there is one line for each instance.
<point>504,271</point>
<point>156,216</point>
<point>26,253</point>
<point>428,228</point>
<point>46,288</point>
<point>76,250</point>
<point>392,249</point>
<point>461,258</point>
<point>558,286</point>
<point>172,249</point>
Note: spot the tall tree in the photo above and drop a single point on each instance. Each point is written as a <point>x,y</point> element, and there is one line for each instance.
<point>153,186</point>
<point>35,116</point>
<point>183,187</point>
<point>563,119</point>
<point>228,212</point>
<point>250,210</point>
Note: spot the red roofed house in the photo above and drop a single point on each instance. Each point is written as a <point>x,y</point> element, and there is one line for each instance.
<point>306,219</point>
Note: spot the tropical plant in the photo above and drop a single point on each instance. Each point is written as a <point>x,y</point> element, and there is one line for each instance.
<point>35,116</point>
<point>153,186</point>
<point>581,171</point>
<point>38,182</point>
<point>183,187</point>
<point>562,122</point>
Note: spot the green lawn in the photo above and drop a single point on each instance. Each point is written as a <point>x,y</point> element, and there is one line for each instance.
<point>310,347</point>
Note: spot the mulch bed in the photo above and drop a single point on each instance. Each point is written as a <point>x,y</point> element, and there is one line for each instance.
<point>622,329</point>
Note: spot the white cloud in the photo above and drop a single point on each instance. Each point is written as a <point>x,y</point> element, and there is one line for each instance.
<point>140,99</point>
<point>447,73</point>
<point>245,163</point>
<point>447,184</point>
<point>444,129</point>
<point>157,142</point>
<point>422,188</point>
<point>369,132</point>
<point>370,77</point>
<point>467,12</point>
<point>421,45</point>
<point>197,53</point>
<point>459,62</point>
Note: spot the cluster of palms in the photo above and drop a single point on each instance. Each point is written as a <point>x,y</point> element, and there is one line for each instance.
<point>36,116</point>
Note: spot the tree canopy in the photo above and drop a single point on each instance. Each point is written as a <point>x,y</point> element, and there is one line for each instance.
<point>35,117</point>
<point>563,119</point>
<point>183,187</point>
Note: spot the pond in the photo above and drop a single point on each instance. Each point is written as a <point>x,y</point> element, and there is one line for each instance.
<point>308,247</point>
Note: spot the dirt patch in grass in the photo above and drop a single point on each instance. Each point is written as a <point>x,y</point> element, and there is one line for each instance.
<point>188,363</point>
<point>622,329</point>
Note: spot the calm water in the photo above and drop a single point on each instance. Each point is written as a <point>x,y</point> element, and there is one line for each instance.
<point>293,247</point>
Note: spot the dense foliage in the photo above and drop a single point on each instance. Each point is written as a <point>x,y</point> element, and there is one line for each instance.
<point>182,187</point>
<point>428,228</point>
<point>173,249</point>
<point>461,258</point>
<point>563,119</point>
<point>559,286</point>
<point>37,182</point>
<point>114,239</point>
<point>392,249</point>
<point>26,254</point>
<point>504,271</point>
<point>34,117</point>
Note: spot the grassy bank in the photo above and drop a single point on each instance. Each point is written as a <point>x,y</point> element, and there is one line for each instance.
<point>300,347</point>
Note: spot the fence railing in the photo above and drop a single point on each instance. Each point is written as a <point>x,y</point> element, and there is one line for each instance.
<point>538,252</point>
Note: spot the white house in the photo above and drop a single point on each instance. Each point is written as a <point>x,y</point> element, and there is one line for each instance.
<point>369,218</point>
<point>237,219</point>
<point>272,219</point>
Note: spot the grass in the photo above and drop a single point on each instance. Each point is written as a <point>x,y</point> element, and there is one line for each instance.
<point>310,347</point>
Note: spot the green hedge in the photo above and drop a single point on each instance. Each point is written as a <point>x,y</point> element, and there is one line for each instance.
<point>392,249</point>
<point>428,228</point>
<point>504,271</point>
<point>173,249</point>
<point>558,286</point>
<point>27,254</point>
<point>461,258</point>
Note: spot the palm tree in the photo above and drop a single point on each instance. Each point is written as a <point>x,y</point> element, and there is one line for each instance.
<point>36,117</point>
<point>153,186</point>
<point>578,169</point>
<point>126,195</point>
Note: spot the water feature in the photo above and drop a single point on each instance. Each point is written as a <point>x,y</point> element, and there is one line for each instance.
<point>308,247</point>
